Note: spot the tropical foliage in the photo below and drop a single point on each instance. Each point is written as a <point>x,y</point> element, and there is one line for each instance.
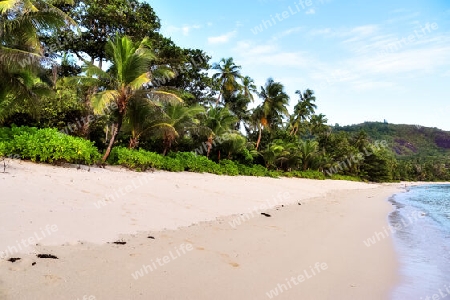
<point>96,82</point>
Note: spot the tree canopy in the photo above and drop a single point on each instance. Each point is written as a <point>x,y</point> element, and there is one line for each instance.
<point>102,71</point>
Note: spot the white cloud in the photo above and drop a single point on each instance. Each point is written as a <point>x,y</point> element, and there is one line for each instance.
<point>221,39</point>
<point>310,11</point>
<point>421,60</point>
<point>355,32</point>
<point>364,30</point>
<point>185,29</point>
<point>248,49</point>
<point>286,33</point>
<point>269,54</point>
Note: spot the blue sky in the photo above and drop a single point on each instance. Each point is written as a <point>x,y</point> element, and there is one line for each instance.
<point>366,60</point>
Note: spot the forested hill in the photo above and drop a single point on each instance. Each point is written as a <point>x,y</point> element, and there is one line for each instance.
<point>407,141</point>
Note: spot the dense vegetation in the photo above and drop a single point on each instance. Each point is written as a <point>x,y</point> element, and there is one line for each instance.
<point>80,78</point>
<point>422,153</point>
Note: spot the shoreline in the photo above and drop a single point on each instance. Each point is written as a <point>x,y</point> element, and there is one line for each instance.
<point>421,243</point>
<point>315,249</point>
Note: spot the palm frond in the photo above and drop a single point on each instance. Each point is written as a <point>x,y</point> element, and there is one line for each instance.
<point>101,100</point>
<point>164,96</point>
<point>140,81</point>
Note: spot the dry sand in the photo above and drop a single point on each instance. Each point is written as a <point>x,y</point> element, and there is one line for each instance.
<point>208,239</point>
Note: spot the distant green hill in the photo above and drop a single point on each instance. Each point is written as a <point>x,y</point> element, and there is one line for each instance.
<point>408,141</point>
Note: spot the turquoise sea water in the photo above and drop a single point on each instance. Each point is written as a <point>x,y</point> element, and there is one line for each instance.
<point>422,241</point>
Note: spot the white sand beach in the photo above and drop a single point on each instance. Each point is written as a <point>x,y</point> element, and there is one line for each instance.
<point>190,236</point>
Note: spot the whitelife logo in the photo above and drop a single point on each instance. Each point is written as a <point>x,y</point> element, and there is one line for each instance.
<point>160,262</point>
<point>118,193</point>
<point>282,196</point>
<point>281,287</point>
<point>32,240</point>
<point>299,6</point>
<point>381,235</point>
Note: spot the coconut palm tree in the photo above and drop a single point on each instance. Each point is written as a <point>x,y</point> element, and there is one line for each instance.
<point>318,124</point>
<point>128,77</point>
<point>248,88</point>
<point>176,120</point>
<point>302,110</point>
<point>21,53</point>
<point>220,120</point>
<point>21,23</point>
<point>309,152</point>
<point>140,118</point>
<point>227,74</point>
<point>232,142</point>
<point>274,106</point>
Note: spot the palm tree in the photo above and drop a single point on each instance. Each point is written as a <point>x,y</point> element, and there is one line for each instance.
<point>21,53</point>
<point>227,75</point>
<point>318,124</point>
<point>274,106</point>
<point>21,21</point>
<point>248,88</point>
<point>302,110</point>
<point>232,142</point>
<point>238,104</point>
<point>220,121</point>
<point>139,119</point>
<point>127,77</point>
<point>309,152</point>
<point>176,120</point>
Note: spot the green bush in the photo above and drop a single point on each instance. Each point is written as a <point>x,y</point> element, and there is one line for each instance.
<point>310,174</point>
<point>136,159</point>
<point>197,163</point>
<point>228,167</point>
<point>172,165</point>
<point>2,149</point>
<point>255,170</point>
<point>47,145</point>
<point>345,177</point>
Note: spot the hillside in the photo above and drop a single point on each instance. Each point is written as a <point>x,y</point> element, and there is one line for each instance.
<point>407,141</point>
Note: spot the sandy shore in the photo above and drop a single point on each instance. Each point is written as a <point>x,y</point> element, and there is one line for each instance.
<point>311,247</point>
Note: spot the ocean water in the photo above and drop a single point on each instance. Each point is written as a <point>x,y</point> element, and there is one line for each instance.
<point>421,236</point>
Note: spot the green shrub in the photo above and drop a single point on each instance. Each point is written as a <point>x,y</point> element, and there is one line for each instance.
<point>48,145</point>
<point>197,163</point>
<point>136,159</point>
<point>5,134</point>
<point>2,149</point>
<point>310,174</point>
<point>255,170</point>
<point>228,167</point>
<point>345,177</point>
<point>172,165</point>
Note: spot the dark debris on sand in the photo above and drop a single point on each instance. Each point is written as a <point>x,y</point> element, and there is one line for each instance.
<point>120,243</point>
<point>47,256</point>
<point>14,259</point>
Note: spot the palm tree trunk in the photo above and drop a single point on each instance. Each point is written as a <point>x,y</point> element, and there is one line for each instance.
<point>134,142</point>
<point>218,99</point>
<point>167,146</point>
<point>115,132</point>
<point>259,137</point>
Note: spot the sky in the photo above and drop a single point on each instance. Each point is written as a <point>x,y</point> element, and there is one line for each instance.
<point>365,60</point>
